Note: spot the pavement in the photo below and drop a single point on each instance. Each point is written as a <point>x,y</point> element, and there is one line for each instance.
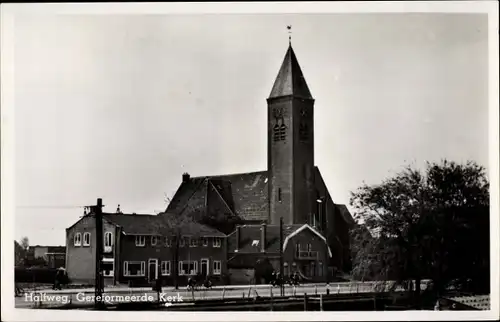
<point>48,298</point>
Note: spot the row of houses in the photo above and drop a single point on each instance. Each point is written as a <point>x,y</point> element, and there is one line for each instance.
<point>140,248</point>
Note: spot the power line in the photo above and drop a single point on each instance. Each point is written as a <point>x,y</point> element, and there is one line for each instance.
<point>50,207</point>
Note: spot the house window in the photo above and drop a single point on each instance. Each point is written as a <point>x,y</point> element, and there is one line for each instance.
<point>285,269</point>
<point>193,242</point>
<point>134,268</point>
<point>320,268</point>
<point>309,247</point>
<point>108,268</point>
<point>313,269</point>
<point>86,239</point>
<point>217,267</point>
<point>154,240</point>
<point>140,241</point>
<point>165,268</point>
<point>168,242</point>
<point>108,239</point>
<point>188,267</point>
<point>217,242</point>
<point>182,242</point>
<point>204,241</point>
<point>78,239</point>
<point>279,194</point>
<point>297,249</point>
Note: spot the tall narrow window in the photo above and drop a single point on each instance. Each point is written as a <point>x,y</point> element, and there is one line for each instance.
<point>282,132</point>
<point>108,239</point>
<point>86,239</point>
<point>279,194</point>
<point>276,133</point>
<point>78,239</point>
<point>303,132</point>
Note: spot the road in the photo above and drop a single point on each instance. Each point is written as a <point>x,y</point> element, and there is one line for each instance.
<point>51,298</point>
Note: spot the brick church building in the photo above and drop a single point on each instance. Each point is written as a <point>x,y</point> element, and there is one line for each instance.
<point>231,223</point>
<point>248,206</point>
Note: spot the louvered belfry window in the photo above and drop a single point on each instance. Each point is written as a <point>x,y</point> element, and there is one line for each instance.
<point>279,132</point>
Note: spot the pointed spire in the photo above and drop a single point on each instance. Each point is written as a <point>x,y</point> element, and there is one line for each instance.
<point>290,80</point>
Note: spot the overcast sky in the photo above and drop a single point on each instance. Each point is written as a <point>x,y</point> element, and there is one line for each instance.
<point>119,106</point>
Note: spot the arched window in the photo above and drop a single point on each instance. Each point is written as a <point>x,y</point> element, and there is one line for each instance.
<point>303,132</point>
<point>108,239</point>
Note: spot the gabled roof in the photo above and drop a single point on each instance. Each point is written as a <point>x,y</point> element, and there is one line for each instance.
<point>243,194</point>
<point>290,80</point>
<point>251,233</point>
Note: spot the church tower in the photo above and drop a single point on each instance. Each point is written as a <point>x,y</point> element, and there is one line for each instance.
<point>290,145</point>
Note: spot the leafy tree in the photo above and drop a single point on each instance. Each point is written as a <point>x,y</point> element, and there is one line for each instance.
<point>431,224</point>
<point>25,243</point>
<point>19,254</point>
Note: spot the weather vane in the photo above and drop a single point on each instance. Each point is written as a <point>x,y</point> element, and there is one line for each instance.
<point>289,28</point>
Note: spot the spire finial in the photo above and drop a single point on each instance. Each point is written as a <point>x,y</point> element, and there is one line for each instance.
<point>289,28</point>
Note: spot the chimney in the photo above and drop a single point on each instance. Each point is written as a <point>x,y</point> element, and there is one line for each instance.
<point>238,236</point>
<point>185,177</point>
<point>263,235</point>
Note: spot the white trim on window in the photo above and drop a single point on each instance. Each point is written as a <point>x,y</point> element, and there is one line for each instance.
<point>154,240</point>
<point>217,242</point>
<point>217,267</point>
<point>142,271</point>
<point>86,239</point>
<point>194,271</point>
<point>77,240</point>
<point>108,239</point>
<point>140,241</point>
<point>204,241</point>
<point>182,242</point>
<point>165,268</point>
<point>168,242</point>
<point>193,242</point>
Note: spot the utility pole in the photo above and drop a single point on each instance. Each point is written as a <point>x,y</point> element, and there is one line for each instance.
<point>282,290</point>
<point>98,302</point>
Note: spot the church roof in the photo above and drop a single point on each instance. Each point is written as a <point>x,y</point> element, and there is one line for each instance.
<point>290,80</point>
<point>243,194</point>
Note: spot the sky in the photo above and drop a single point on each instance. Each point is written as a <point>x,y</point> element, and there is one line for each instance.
<point>119,106</point>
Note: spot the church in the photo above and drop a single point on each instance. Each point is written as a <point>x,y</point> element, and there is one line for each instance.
<point>247,207</point>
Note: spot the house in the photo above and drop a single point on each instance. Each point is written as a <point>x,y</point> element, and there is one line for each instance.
<point>139,249</point>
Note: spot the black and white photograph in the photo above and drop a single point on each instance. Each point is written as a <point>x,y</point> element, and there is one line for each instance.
<point>243,161</point>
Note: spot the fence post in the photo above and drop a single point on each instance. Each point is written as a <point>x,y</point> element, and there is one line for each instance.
<point>272,298</point>
<point>249,291</point>
<point>316,289</point>
<point>243,294</point>
<point>338,288</point>
<point>223,291</point>
<point>321,302</point>
<point>305,301</point>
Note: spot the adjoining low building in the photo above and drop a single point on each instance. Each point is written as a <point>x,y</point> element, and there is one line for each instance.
<point>305,252</point>
<point>138,249</point>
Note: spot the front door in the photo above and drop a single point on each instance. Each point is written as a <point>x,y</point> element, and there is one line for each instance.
<point>152,269</point>
<point>204,267</point>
